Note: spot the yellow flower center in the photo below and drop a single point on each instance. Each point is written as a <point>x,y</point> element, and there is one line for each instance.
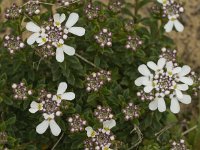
<point>106,148</point>
<point>40,106</point>
<point>170,73</point>
<point>93,133</point>
<point>59,45</point>
<point>58,97</point>
<point>57,23</point>
<point>44,39</point>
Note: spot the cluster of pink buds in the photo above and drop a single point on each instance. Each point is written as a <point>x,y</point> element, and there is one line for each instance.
<point>13,44</point>
<point>103,113</point>
<point>145,96</point>
<point>129,25</point>
<point>169,55</point>
<point>3,138</point>
<point>96,80</point>
<point>13,12</point>
<point>21,92</point>
<point>131,111</point>
<point>32,7</point>
<point>91,11</point>
<point>133,43</point>
<point>180,145</point>
<point>104,38</point>
<point>76,123</point>
<point>46,51</point>
<point>115,5</point>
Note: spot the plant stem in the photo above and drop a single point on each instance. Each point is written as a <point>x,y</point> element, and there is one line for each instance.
<point>87,61</point>
<point>46,3</point>
<point>57,141</point>
<point>189,130</point>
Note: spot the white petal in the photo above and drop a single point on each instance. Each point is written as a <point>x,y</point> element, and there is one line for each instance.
<point>153,105</point>
<point>186,80</point>
<point>30,26</point>
<point>59,55</point>
<point>174,107</point>
<point>152,65</point>
<point>62,88</point>
<point>73,18</point>
<point>161,63</point>
<point>62,18</point>
<point>68,50</point>
<point>179,94</point>
<point>161,105</point>
<point>182,87</point>
<point>148,89</point>
<point>139,81</point>
<point>176,70</point>
<point>169,26</point>
<point>68,96</point>
<point>144,70</point>
<point>79,31</point>
<point>169,66</point>
<point>109,124</point>
<point>185,70</point>
<point>56,17</point>
<point>160,1</point>
<point>186,99</point>
<point>89,131</point>
<point>42,127</point>
<point>55,129</point>
<point>33,110</point>
<point>179,27</point>
<point>34,104</point>
<point>32,38</point>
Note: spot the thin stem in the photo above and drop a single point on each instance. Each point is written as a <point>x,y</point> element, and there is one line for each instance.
<point>57,141</point>
<point>189,130</point>
<point>140,136</point>
<point>87,61</point>
<point>39,64</point>
<point>46,3</point>
<point>30,18</point>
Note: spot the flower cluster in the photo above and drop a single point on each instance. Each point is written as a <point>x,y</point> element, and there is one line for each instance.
<point>196,79</point>
<point>172,11</point>
<point>13,12</point>
<point>13,44</point>
<point>145,96</point>
<point>3,138</point>
<point>133,43</point>
<point>32,7</point>
<point>115,5</point>
<point>96,80</point>
<point>169,55</point>
<point>129,25</point>
<point>101,138</point>
<point>76,123</point>
<point>131,111</point>
<point>49,105</point>
<point>103,113</point>
<point>66,2</point>
<point>91,11</point>
<point>54,34</point>
<point>45,51</point>
<point>21,92</point>
<point>180,145</point>
<point>104,38</point>
<point>166,80</point>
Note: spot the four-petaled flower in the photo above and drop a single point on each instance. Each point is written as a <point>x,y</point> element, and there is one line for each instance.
<point>90,131</point>
<point>61,95</point>
<point>107,125</point>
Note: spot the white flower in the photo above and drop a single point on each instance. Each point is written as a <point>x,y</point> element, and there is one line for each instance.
<point>107,147</point>
<point>90,132</point>
<point>42,39</point>
<point>61,48</point>
<point>35,107</point>
<point>73,18</point>
<point>173,22</point>
<point>158,103</point>
<point>62,95</point>
<point>37,32</point>
<point>147,76</point>
<point>175,107</point>
<point>179,88</point>
<point>107,125</point>
<point>158,68</point>
<point>185,70</point>
<point>164,2</point>
<point>58,19</point>
<point>171,70</point>
<point>49,121</point>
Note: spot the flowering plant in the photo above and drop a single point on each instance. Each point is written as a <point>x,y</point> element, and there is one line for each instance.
<point>70,77</point>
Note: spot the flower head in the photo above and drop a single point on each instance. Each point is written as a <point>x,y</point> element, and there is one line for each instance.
<point>32,7</point>
<point>178,145</point>
<point>131,111</point>
<point>54,34</point>
<point>166,81</point>
<point>115,5</point>
<point>133,43</point>
<point>103,113</point>
<point>13,43</point>
<point>172,11</point>
<point>13,12</point>
<point>104,38</point>
<point>62,95</point>
<point>21,92</point>
<point>91,11</point>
